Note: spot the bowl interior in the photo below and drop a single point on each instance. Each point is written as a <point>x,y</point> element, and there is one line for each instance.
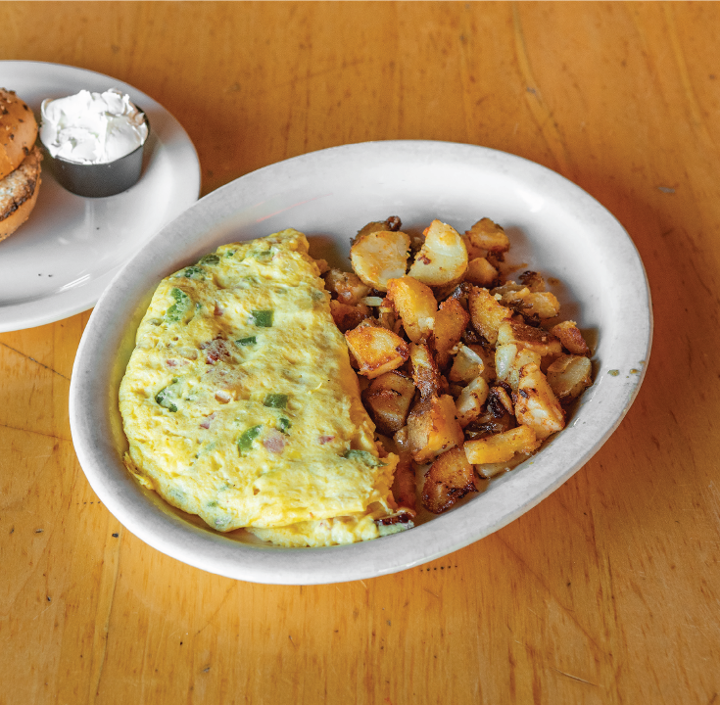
<point>554,228</point>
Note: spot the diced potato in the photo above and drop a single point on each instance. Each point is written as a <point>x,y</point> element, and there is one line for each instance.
<point>470,401</point>
<point>569,376</point>
<point>501,447</point>
<point>542,303</point>
<point>509,359</point>
<point>346,287</point>
<point>392,223</point>
<point>376,350</point>
<point>450,322</point>
<point>388,399</point>
<point>499,397</point>
<point>480,272</point>
<point>443,258</point>
<point>403,488</point>
<point>467,365</point>
<point>347,316</point>
<point>433,428</point>
<point>486,313</point>
<point>524,336</point>
<point>386,314</point>
<point>571,338</point>
<point>533,281</point>
<point>380,256</point>
<point>488,236</point>
<point>415,304</point>
<point>536,404</point>
<point>448,480</point>
<point>425,372</point>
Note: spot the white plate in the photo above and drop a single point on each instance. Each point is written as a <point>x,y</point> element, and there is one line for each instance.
<point>555,227</point>
<point>59,262</point>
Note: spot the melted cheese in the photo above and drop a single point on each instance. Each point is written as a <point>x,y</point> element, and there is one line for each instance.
<point>240,405</point>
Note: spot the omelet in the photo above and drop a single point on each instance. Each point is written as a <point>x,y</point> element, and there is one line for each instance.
<point>240,404</point>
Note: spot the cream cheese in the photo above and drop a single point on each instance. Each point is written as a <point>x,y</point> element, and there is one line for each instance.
<point>92,128</point>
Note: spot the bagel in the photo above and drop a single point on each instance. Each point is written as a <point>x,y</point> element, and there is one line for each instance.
<point>18,131</point>
<point>18,193</point>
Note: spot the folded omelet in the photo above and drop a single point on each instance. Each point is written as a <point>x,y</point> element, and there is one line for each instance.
<point>240,405</point>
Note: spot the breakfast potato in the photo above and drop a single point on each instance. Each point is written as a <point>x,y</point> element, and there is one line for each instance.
<point>536,405</point>
<point>347,316</point>
<point>449,479</point>
<point>388,399</point>
<point>415,304</point>
<point>379,256</point>
<point>509,360</point>
<point>470,401</point>
<point>486,313</point>
<point>488,236</point>
<point>425,372</point>
<point>443,258</point>
<point>451,320</point>
<point>467,365</point>
<point>376,349</point>
<point>529,337</point>
<point>346,287</point>
<point>481,272</point>
<point>433,428</point>
<point>571,338</point>
<point>569,376</point>
<point>501,447</point>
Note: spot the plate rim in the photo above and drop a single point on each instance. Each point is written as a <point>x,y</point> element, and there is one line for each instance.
<point>30,314</point>
<point>305,566</point>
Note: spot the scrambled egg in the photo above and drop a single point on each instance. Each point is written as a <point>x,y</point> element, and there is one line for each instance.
<point>240,405</point>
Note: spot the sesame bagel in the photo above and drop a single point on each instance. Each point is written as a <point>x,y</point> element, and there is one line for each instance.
<point>18,131</point>
<point>18,193</point>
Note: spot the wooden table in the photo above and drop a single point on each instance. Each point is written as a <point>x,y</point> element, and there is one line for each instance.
<point>608,591</point>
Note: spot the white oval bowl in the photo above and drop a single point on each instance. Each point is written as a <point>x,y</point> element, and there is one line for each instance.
<point>555,227</point>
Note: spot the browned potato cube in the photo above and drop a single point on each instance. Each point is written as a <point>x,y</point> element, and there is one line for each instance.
<point>486,313</point>
<point>569,376</point>
<point>450,322</point>
<point>509,360</point>
<point>346,287</point>
<point>449,479</point>
<point>542,303</point>
<point>571,338</point>
<point>425,371</point>
<point>489,236</point>
<point>470,401</point>
<point>376,350</point>
<point>433,428</point>
<point>501,447</point>
<point>480,272</point>
<point>404,484</point>
<point>388,399</point>
<point>536,405</point>
<point>443,258</point>
<point>347,316</point>
<point>416,306</point>
<point>380,256</point>
<point>524,336</point>
<point>467,365</point>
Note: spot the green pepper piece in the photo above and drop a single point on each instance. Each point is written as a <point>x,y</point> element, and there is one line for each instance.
<point>182,304</point>
<point>276,401</point>
<point>246,440</point>
<point>262,319</point>
<point>251,340</point>
<point>364,456</point>
<point>166,397</point>
<point>284,425</point>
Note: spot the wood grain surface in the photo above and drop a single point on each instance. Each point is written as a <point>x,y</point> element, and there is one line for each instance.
<point>609,590</point>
